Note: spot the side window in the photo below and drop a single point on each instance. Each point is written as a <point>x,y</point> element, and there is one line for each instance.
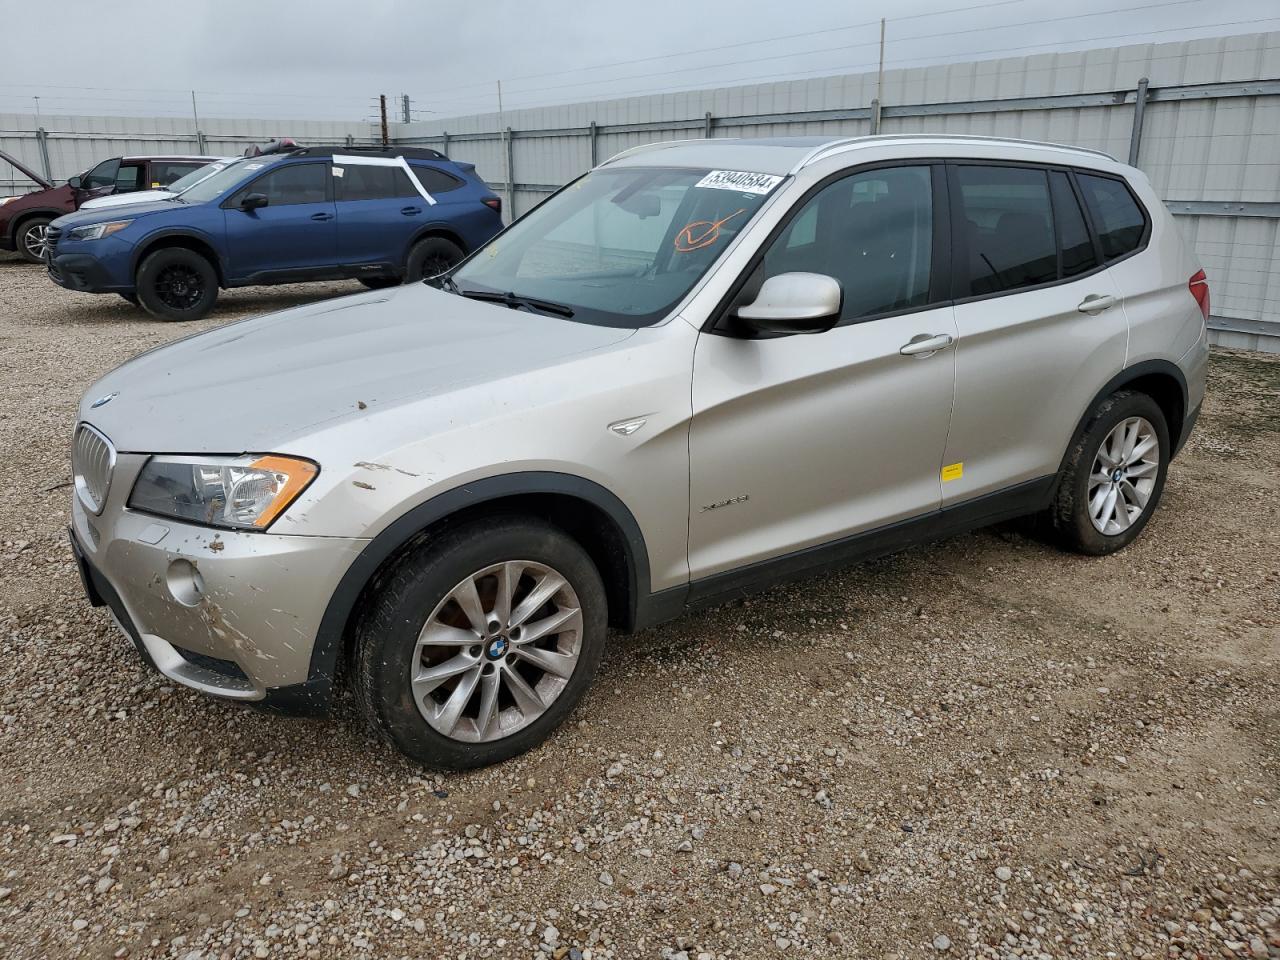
<point>1116,215</point>
<point>433,180</point>
<point>129,178</point>
<point>296,183</point>
<point>103,175</point>
<point>164,172</point>
<point>368,182</point>
<point>1008,222</point>
<point>871,231</point>
<point>1073,235</point>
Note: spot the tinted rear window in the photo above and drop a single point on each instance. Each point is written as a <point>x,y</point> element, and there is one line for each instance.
<point>1073,235</point>
<point>1008,220</point>
<point>361,182</point>
<point>434,180</point>
<point>1116,215</point>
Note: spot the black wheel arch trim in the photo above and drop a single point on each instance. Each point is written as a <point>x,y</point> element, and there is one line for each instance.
<point>443,229</point>
<point>1121,380</point>
<point>330,636</point>
<point>148,243</point>
<point>22,216</point>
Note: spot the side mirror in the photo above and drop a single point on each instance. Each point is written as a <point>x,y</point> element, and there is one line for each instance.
<point>794,303</point>
<point>74,183</point>
<point>253,201</point>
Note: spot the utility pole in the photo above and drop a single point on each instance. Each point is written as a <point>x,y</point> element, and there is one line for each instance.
<point>382,100</point>
<point>37,100</point>
<point>875,119</point>
<point>195,116</point>
<point>405,112</point>
<point>506,158</point>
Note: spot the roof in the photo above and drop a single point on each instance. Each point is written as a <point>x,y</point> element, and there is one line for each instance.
<point>786,155</point>
<point>170,156</point>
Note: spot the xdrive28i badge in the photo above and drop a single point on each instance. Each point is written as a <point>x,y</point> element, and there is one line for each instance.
<point>103,401</point>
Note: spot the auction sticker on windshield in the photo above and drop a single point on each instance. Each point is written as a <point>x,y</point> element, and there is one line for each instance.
<point>759,183</point>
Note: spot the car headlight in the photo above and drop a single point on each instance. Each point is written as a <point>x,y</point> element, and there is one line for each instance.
<point>239,493</point>
<point>96,231</point>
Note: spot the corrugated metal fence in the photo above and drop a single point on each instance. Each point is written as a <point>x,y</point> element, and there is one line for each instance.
<point>1201,117</point>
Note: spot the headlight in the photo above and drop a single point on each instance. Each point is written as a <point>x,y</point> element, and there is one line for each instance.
<point>241,493</point>
<point>97,231</point>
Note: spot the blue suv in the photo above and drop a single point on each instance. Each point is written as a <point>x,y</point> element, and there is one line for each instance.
<point>288,215</point>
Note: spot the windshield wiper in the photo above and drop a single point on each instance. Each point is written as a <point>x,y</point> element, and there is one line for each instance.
<point>514,300</point>
<point>442,282</point>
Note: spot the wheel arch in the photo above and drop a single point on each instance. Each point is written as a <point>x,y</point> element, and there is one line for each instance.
<point>22,217</point>
<point>183,239</point>
<point>439,229</point>
<point>591,514</point>
<point>1161,380</point>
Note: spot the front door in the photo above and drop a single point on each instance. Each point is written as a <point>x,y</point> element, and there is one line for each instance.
<point>293,235</point>
<point>98,182</point>
<point>801,440</point>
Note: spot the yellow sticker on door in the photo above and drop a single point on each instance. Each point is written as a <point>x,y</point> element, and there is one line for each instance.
<point>952,471</point>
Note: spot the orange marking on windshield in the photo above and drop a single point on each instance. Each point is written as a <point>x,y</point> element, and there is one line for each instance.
<point>701,233</point>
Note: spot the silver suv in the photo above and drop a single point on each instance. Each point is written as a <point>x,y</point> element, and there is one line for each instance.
<point>700,369</point>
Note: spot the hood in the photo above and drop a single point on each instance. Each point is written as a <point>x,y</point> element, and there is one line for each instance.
<point>82,216</point>
<point>53,198</point>
<point>126,199</point>
<point>256,385</point>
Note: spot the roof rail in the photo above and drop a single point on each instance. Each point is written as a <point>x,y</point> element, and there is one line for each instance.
<point>839,146</point>
<point>657,145</point>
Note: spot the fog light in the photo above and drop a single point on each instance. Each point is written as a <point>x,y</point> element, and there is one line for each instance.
<point>185,583</point>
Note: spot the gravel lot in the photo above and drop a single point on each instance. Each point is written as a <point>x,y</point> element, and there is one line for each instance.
<point>981,748</point>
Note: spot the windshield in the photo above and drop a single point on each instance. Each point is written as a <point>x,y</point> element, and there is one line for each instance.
<point>230,175</point>
<point>195,176</point>
<point>621,246</point>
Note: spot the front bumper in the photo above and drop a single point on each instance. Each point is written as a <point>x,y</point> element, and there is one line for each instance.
<point>247,631</point>
<point>78,271</point>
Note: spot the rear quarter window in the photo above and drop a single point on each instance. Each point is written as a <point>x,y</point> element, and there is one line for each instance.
<point>435,180</point>
<point>1117,218</point>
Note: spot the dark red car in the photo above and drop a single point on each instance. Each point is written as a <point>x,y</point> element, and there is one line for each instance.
<point>24,219</point>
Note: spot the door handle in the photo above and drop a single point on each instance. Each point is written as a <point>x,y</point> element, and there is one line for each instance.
<point>322,216</point>
<point>410,211</point>
<point>1095,303</point>
<point>926,344</point>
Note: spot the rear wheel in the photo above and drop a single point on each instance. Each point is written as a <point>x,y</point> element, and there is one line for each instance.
<point>480,642</point>
<point>1114,476</point>
<point>430,257</point>
<point>32,239</point>
<point>176,284</point>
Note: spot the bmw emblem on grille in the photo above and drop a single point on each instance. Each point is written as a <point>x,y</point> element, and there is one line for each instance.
<point>497,647</point>
<point>103,401</point>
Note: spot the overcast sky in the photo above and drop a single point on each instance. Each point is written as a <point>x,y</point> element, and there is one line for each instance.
<point>329,60</point>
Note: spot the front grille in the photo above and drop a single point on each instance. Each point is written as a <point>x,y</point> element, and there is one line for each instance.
<point>52,235</point>
<point>92,461</point>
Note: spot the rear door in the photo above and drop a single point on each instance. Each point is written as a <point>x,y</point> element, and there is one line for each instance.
<point>379,210</point>
<point>293,234</point>
<point>1040,323</point>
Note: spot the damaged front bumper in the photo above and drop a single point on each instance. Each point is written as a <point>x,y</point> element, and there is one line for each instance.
<point>231,614</point>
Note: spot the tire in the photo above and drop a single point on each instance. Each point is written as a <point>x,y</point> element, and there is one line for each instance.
<point>29,240</point>
<point>420,590</point>
<point>1080,518</point>
<point>380,283</point>
<point>176,284</point>
<point>430,257</point>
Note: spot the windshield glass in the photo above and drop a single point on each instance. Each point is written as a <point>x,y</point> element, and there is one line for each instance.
<point>195,176</point>
<point>621,246</point>
<point>231,174</point>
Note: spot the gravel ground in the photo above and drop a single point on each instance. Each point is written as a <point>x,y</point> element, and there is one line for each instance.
<point>980,748</point>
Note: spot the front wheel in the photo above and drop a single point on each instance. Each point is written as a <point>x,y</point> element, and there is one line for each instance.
<point>431,257</point>
<point>1114,476</point>
<point>480,642</point>
<point>176,284</point>
<point>32,239</point>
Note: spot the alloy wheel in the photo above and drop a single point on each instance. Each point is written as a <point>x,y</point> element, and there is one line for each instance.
<point>497,651</point>
<point>179,286</point>
<point>1124,475</point>
<point>36,240</point>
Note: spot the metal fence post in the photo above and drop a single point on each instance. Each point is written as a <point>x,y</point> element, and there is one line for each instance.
<point>875,115</point>
<point>444,146</point>
<point>42,139</point>
<point>200,142</point>
<point>511,176</point>
<point>706,131</point>
<point>1139,108</point>
<point>591,134</point>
